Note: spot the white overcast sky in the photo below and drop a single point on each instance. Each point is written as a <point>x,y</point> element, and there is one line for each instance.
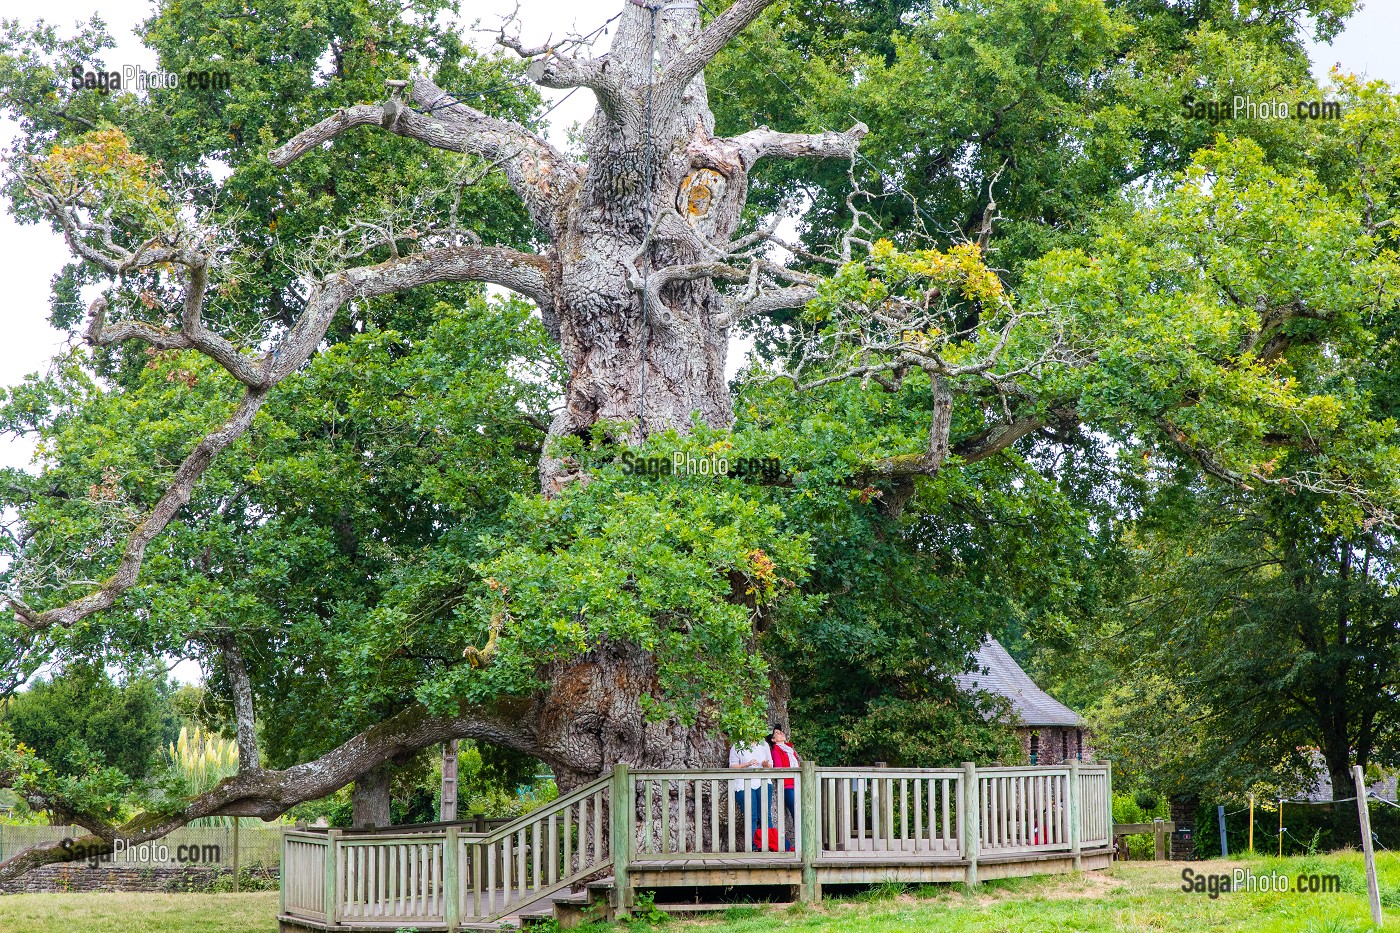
<point>30,256</point>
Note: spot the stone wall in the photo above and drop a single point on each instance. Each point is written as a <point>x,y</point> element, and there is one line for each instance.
<point>52,879</point>
<point>1055,745</point>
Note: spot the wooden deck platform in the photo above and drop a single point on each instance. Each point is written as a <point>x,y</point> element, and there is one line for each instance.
<point>682,829</point>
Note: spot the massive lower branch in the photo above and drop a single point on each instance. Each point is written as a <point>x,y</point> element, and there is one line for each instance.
<point>268,794</point>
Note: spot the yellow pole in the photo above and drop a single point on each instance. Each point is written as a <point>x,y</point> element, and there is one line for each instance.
<point>1251,824</point>
<point>1280,827</point>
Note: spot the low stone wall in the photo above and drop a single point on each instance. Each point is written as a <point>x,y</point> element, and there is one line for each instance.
<point>52,879</point>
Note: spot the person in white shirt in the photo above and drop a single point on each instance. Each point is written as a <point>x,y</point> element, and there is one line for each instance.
<point>748,793</point>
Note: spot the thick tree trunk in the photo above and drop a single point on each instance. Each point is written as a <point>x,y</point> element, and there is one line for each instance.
<point>370,799</point>
<point>658,188</point>
<point>591,718</point>
<point>1346,830</point>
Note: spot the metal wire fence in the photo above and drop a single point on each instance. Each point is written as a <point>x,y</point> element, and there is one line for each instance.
<point>1308,826</point>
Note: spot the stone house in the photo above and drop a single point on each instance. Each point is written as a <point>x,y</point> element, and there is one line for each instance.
<point>1320,790</point>
<point>1050,732</point>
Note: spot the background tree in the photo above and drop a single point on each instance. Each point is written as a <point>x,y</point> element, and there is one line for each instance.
<point>80,718</point>
<point>1277,633</point>
<point>1055,112</point>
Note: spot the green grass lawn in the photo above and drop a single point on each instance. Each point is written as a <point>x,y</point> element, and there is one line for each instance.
<point>1135,898</point>
<point>139,913</point>
<point>1139,897</point>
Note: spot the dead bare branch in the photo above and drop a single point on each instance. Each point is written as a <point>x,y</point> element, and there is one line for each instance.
<point>764,143</point>
<point>710,42</point>
<point>541,175</point>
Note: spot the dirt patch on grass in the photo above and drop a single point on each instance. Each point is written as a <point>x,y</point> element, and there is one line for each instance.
<point>1092,884</point>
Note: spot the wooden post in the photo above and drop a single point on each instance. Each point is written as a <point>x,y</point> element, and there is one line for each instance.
<point>1251,824</point>
<point>281,876</point>
<point>971,820</point>
<point>1159,841</point>
<point>1224,843</point>
<point>480,854</point>
<point>447,806</point>
<point>332,905</point>
<point>236,821</point>
<point>1280,827</point>
<point>1364,814</point>
<point>451,894</point>
<point>1108,793</point>
<point>1074,804</point>
<point>623,810</point>
<point>810,822</point>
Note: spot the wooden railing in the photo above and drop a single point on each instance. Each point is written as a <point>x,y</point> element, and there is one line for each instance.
<point>304,875</point>
<point>1023,810</point>
<point>1095,807</point>
<point>695,815</point>
<point>395,877</point>
<point>446,877</point>
<point>538,854</point>
<point>443,878</point>
<point>873,813</point>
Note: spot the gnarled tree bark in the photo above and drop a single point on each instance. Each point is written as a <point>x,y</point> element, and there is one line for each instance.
<point>640,233</point>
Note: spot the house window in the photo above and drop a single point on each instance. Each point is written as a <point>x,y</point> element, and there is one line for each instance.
<point>1035,746</point>
<point>1079,744</point>
<point>1064,745</point>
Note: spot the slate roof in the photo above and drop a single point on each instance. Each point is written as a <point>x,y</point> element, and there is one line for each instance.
<point>995,671</point>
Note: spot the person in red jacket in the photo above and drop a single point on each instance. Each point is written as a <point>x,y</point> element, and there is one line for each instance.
<point>784,756</point>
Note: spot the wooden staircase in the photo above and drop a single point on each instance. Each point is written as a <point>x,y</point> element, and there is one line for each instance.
<point>447,879</point>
